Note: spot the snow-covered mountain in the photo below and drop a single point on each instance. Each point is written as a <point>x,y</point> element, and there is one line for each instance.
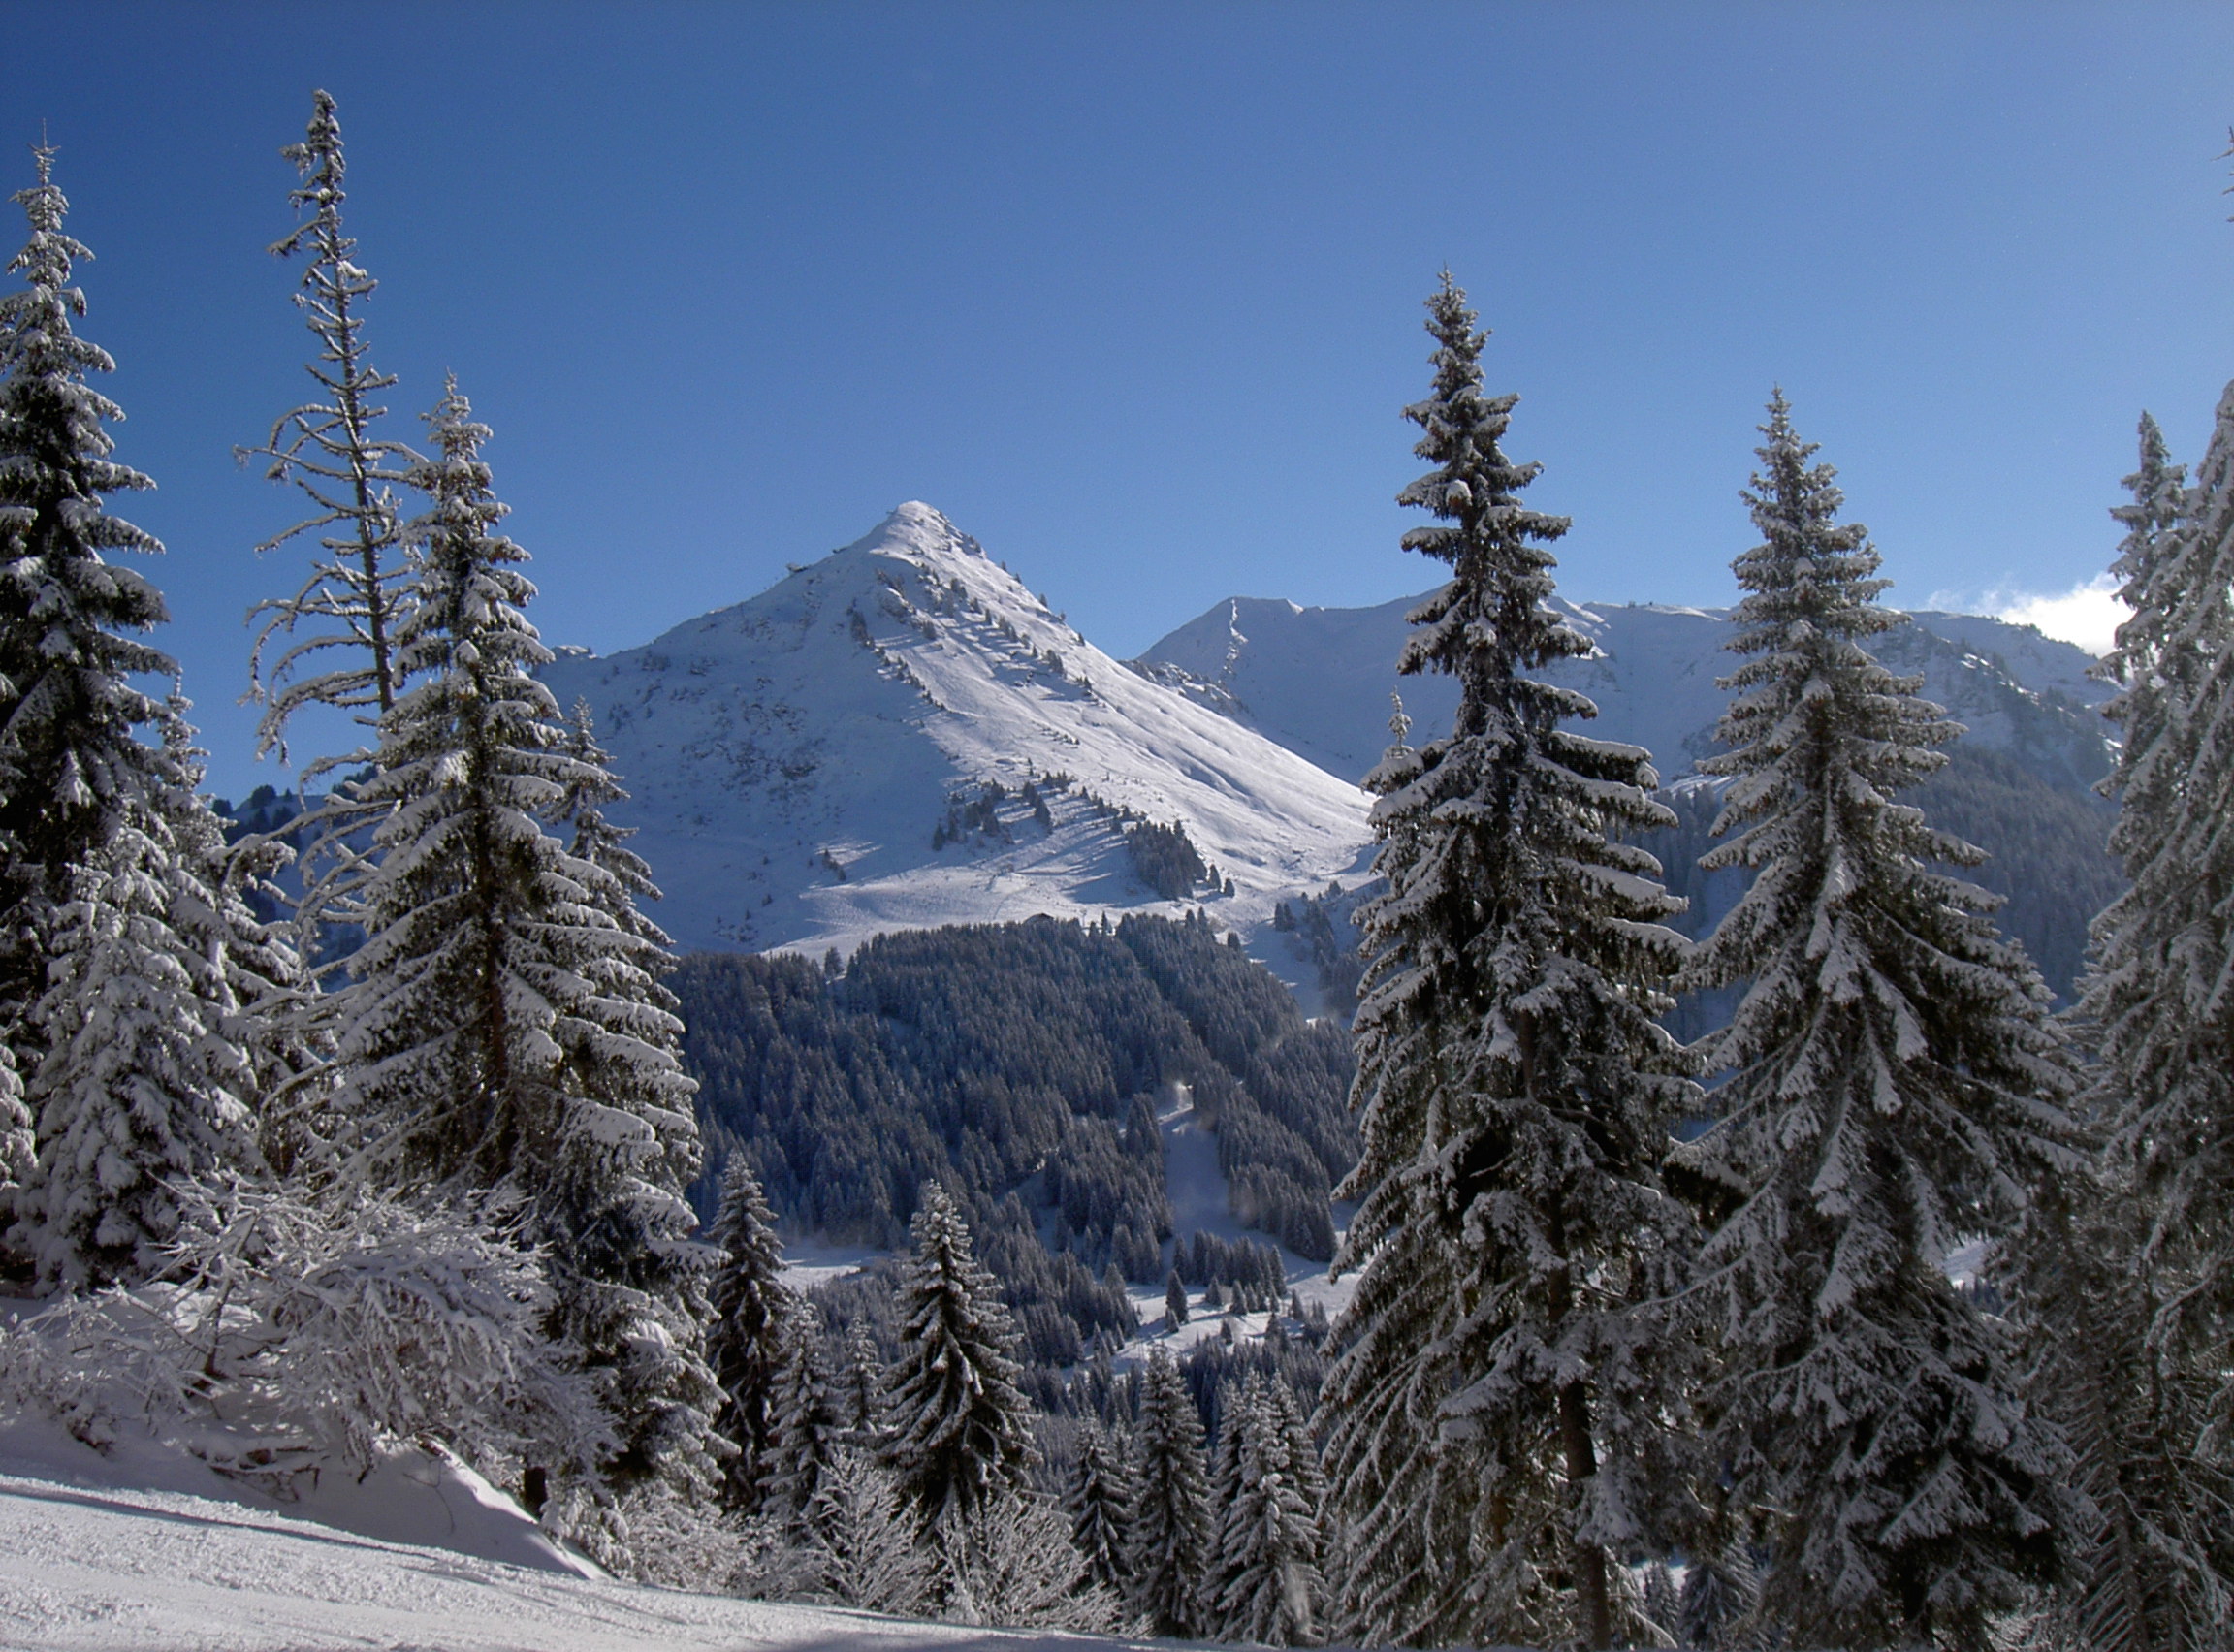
<point>809,767</point>
<point>1318,679</point>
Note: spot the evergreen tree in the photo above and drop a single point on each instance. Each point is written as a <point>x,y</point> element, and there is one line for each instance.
<point>1232,1396</point>
<point>72,767</point>
<point>257,984</point>
<point>19,1138</point>
<point>487,1036</point>
<point>630,1281</point>
<point>117,973</point>
<point>803,1422</point>
<point>1497,1395</point>
<point>1174,1301</point>
<point>140,1087</point>
<point>960,1431</point>
<point>1720,1591</point>
<point>1172,1536</point>
<point>862,1404</point>
<point>2131,1276</point>
<point>629,1293</point>
<point>359,586</point>
<point>750,1304</point>
<point>1304,1469</point>
<point>2160,996</point>
<point>1099,1499</point>
<point>1894,1082</point>
<point>2153,1569</point>
<point>1268,1582</point>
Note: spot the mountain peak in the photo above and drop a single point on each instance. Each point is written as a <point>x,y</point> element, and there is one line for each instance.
<point>915,529</point>
<point>850,752</point>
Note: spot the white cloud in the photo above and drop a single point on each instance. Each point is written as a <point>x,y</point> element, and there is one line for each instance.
<point>2087,614</point>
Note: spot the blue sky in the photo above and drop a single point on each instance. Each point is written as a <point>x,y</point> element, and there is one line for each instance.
<point>1132,291</point>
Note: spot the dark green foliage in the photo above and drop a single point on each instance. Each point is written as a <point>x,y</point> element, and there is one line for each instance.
<point>979,816</point>
<point>1166,859</point>
<point>1324,923</point>
<point>2048,853</point>
<point>1019,1065</point>
<point>1214,1365</point>
<point>744,1340</point>
<point>1283,1136</point>
<point>960,1433</point>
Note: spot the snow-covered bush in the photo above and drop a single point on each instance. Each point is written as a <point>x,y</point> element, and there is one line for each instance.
<point>290,1334</point>
<point>654,1534</point>
<point>1010,1563</point>
<point>864,1550</point>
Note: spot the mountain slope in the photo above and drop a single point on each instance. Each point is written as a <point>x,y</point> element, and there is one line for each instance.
<point>793,758</point>
<point>1318,679</point>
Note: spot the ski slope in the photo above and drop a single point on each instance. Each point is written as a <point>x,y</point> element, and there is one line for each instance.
<point>143,1552</point>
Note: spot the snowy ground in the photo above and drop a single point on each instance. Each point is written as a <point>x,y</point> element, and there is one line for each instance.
<point>92,1563</point>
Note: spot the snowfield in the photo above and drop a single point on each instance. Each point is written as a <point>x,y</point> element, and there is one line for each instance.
<point>107,1554</point>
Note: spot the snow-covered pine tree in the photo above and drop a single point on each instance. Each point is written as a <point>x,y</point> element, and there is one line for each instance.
<point>70,661</point>
<point>1172,1536</point>
<point>1894,1083</point>
<point>744,1340</point>
<point>123,1022</point>
<point>862,1403</point>
<point>18,1140</point>
<point>1099,1499</point>
<point>1268,1575</point>
<point>591,787</point>
<point>961,1433</point>
<point>629,1280</point>
<point>1304,1467</point>
<point>258,985</point>
<point>482,1044</point>
<point>2129,1326</point>
<point>1719,1594</point>
<point>140,1087</point>
<point>1226,1464</point>
<point>2162,994</point>
<point>624,1049</point>
<point>1174,1301</point>
<point>360,583</point>
<point>805,1426</point>
<point>2155,1567</point>
<point>1497,1395</point>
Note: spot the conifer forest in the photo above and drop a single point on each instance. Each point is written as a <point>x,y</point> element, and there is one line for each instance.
<point>1654,1216</point>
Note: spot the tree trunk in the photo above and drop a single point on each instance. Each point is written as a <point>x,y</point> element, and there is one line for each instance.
<point>1590,1597</point>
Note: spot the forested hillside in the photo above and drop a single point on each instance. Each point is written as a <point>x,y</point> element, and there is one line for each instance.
<point>1024,1066</point>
